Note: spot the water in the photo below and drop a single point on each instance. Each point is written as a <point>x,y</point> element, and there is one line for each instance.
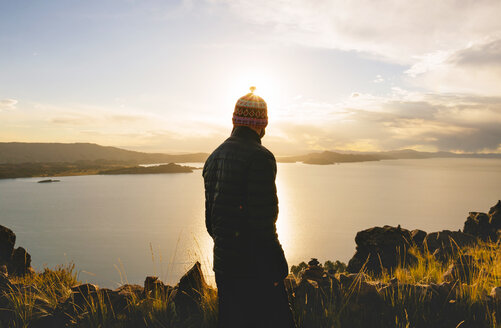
<point>125,227</point>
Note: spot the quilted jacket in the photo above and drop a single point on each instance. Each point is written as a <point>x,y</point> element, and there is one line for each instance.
<point>241,208</point>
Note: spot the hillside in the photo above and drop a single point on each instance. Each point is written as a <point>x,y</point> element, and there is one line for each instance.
<point>167,168</point>
<point>20,152</point>
<point>330,157</point>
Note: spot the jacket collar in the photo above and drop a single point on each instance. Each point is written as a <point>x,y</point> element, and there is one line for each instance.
<point>245,132</point>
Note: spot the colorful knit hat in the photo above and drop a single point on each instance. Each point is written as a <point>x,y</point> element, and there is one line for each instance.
<point>251,110</point>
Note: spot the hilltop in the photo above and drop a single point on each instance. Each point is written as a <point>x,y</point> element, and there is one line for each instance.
<point>23,152</point>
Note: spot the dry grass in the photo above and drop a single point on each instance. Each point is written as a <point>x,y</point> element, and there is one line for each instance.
<point>400,307</point>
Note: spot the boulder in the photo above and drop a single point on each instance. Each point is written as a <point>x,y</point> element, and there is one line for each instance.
<point>314,271</point>
<point>156,288</point>
<point>418,237</point>
<point>5,284</point>
<point>130,290</point>
<point>84,289</point>
<point>193,282</point>
<point>381,248</point>
<point>495,216</point>
<point>7,241</point>
<point>190,293</point>
<point>478,225</point>
<point>444,244</point>
<point>20,263</point>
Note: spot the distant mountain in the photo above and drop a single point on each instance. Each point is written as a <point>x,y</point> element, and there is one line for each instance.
<point>165,168</point>
<point>329,157</point>
<point>21,152</point>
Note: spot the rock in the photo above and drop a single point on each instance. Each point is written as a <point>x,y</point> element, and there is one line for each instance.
<point>448,242</point>
<point>20,263</point>
<point>190,293</point>
<point>478,225</point>
<point>348,280</point>
<point>5,284</point>
<point>129,290</point>
<point>193,282</point>
<point>462,270</point>
<point>84,289</point>
<point>495,216</point>
<point>496,294</point>
<point>418,237</point>
<point>381,247</point>
<point>156,288</point>
<point>7,241</point>
<point>314,271</point>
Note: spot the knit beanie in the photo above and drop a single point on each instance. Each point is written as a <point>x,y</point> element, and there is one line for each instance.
<point>250,110</point>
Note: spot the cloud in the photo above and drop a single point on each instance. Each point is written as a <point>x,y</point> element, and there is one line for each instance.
<point>397,30</point>
<point>449,46</point>
<point>430,122</point>
<point>475,70</point>
<point>7,104</point>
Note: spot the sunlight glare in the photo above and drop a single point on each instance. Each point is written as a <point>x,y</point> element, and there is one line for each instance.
<point>267,87</point>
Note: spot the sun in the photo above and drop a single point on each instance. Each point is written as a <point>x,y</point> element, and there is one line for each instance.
<point>267,87</point>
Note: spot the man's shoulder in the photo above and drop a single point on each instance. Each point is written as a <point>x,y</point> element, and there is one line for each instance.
<point>236,149</point>
<point>264,152</point>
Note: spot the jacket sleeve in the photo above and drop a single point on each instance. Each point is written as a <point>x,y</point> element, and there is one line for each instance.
<point>208,197</point>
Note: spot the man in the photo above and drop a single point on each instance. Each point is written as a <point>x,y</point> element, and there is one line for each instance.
<point>241,208</point>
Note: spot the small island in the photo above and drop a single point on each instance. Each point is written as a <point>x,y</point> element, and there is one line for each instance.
<point>48,181</point>
<point>166,168</point>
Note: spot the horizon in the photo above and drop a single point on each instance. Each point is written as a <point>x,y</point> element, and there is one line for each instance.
<point>278,155</point>
<point>158,76</point>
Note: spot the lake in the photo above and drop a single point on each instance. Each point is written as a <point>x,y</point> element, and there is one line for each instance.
<point>122,228</point>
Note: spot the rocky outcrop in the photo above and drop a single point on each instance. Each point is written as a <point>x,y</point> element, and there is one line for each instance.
<point>495,216</point>
<point>316,291</point>
<point>381,248</point>
<point>7,241</point>
<point>445,244</point>
<point>190,293</point>
<point>477,224</point>
<point>418,237</point>
<point>16,261</point>
<point>487,227</point>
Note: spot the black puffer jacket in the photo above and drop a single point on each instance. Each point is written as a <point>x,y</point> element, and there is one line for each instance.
<point>241,208</point>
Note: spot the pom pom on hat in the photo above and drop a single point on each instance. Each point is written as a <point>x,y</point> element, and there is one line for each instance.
<point>251,110</point>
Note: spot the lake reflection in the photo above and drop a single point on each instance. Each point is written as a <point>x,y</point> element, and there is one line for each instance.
<point>126,227</point>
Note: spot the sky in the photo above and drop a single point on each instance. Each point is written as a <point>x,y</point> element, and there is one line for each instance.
<point>164,76</point>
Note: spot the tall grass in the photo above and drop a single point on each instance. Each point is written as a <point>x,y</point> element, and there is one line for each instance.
<point>412,302</point>
<point>34,296</point>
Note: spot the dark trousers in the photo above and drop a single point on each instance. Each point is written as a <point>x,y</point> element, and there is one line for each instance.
<point>252,303</point>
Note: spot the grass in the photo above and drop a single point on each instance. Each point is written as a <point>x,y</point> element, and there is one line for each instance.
<point>407,304</point>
